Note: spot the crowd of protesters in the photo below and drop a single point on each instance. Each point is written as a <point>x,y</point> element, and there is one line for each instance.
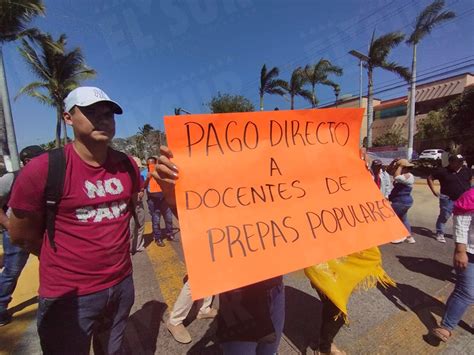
<point>85,235</point>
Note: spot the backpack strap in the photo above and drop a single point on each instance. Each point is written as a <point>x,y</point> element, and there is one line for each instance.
<point>54,189</point>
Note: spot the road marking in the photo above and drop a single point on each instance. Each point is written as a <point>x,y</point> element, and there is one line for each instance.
<point>169,270</point>
<point>26,290</point>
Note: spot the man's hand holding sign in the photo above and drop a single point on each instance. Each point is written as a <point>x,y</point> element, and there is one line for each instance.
<point>263,194</point>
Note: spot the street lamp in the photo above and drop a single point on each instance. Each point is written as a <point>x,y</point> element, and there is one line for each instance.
<point>362,58</point>
<point>178,110</point>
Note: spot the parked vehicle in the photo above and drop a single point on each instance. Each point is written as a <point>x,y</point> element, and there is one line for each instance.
<point>434,154</point>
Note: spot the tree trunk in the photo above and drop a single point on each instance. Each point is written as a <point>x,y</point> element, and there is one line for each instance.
<point>11,159</point>
<point>261,102</point>
<point>370,107</point>
<point>337,100</point>
<point>313,96</point>
<point>412,104</point>
<point>59,116</point>
<point>292,102</point>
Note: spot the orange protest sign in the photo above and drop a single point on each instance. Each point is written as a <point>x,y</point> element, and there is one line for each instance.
<point>262,194</point>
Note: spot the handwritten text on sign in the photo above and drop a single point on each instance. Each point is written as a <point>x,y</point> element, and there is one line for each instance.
<point>263,194</point>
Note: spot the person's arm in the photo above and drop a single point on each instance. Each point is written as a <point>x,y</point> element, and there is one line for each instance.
<point>146,182</point>
<point>461,230</point>
<point>398,171</point>
<point>430,180</point>
<point>6,182</point>
<point>27,230</point>
<point>166,174</point>
<point>4,219</point>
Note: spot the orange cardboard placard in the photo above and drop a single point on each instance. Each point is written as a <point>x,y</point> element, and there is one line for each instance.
<point>262,194</point>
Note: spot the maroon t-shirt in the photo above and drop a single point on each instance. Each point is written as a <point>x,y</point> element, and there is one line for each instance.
<point>92,223</point>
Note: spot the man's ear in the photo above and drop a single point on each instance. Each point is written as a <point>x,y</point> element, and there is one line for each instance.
<point>67,117</point>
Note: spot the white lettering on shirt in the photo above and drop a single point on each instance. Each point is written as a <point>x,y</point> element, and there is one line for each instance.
<point>105,210</point>
<point>108,210</point>
<point>118,208</point>
<point>113,186</point>
<point>84,213</point>
<point>94,190</point>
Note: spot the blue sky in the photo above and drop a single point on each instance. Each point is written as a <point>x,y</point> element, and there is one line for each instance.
<point>153,56</point>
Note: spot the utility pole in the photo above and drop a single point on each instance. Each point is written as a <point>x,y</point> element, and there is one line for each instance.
<point>362,58</point>
<point>12,161</point>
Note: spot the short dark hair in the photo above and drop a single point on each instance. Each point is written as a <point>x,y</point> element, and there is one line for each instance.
<point>30,152</point>
<point>152,158</point>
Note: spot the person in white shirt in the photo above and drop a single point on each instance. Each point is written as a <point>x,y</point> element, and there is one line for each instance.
<point>463,260</point>
<point>381,177</point>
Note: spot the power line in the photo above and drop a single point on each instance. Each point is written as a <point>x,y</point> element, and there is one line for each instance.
<point>406,84</point>
<point>247,87</point>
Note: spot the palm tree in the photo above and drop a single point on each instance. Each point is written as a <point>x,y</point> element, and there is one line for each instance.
<point>59,72</point>
<point>146,129</point>
<point>337,91</point>
<point>379,49</point>
<point>269,84</point>
<point>318,74</point>
<point>430,17</point>
<point>295,87</point>
<point>14,18</point>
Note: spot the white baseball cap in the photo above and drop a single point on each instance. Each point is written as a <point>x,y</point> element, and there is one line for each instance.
<point>86,96</point>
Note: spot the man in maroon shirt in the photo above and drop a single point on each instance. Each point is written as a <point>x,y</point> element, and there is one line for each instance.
<point>86,287</point>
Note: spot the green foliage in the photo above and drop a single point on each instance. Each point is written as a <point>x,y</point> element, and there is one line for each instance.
<point>379,50</point>
<point>52,144</point>
<point>59,72</point>
<point>15,16</point>
<point>430,17</point>
<point>318,74</point>
<point>226,103</point>
<point>454,124</point>
<point>434,126</point>
<point>295,87</point>
<point>269,84</point>
<point>391,138</point>
<point>146,129</point>
<point>460,115</point>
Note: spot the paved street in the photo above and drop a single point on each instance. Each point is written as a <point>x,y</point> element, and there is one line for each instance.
<point>394,321</point>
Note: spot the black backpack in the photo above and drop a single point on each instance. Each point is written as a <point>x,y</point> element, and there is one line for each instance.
<point>55,185</point>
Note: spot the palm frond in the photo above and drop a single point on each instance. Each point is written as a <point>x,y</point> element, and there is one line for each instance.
<point>328,82</point>
<point>59,70</point>
<point>34,86</point>
<point>263,75</point>
<point>381,46</point>
<point>268,83</point>
<point>34,61</point>
<point>430,17</point>
<point>15,16</point>
<point>42,98</point>
<point>273,73</point>
<point>285,85</point>
<point>306,94</point>
<point>276,91</point>
<point>393,67</point>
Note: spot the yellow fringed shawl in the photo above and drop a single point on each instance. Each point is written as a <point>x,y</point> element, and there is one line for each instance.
<point>338,278</point>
